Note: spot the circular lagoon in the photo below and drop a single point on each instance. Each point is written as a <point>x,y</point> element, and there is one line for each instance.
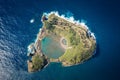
<point>51,47</point>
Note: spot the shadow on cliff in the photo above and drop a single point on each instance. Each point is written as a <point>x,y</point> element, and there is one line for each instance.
<point>97,53</point>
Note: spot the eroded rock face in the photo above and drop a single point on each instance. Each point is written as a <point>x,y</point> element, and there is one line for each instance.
<point>79,43</point>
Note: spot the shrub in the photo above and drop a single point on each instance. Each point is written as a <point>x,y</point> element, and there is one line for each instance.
<point>74,38</point>
<point>49,25</point>
<point>37,62</point>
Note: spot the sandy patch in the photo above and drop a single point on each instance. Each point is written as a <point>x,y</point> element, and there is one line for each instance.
<point>63,45</point>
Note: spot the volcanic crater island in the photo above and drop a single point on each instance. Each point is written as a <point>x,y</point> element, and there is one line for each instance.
<point>62,40</point>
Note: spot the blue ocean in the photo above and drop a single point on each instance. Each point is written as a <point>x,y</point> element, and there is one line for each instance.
<point>16,33</point>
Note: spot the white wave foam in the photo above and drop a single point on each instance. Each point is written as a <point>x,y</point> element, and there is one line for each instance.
<point>32,21</point>
<point>29,48</point>
<point>93,35</point>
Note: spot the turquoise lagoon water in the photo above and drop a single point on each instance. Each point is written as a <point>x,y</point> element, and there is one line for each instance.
<point>52,52</point>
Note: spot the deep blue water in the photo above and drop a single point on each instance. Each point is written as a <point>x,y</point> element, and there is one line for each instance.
<point>16,33</point>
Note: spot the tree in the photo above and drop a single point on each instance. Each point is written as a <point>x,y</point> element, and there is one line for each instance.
<point>38,62</point>
<point>49,25</point>
<point>54,21</point>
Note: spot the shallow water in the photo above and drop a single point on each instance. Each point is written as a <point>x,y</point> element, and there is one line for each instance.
<point>51,47</point>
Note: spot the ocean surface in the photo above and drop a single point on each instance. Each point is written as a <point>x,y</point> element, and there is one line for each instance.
<point>20,21</point>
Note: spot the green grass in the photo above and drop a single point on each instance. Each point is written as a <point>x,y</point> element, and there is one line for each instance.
<point>73,55</point>
<point>77,54</point>
<point>71,36</point>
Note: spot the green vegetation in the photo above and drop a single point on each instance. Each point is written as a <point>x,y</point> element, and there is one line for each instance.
<point>71,36</point>
<point>72,56</point>
<point>78,53</point>
<point>74,38</point>
<point>38,62</point>
<point>49,26</point>
<point>54,21</point>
